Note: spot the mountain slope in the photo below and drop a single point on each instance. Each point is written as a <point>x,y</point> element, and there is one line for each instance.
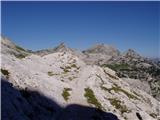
<point>8,47</point>
<point>66,79</point>
<point>131,65</point>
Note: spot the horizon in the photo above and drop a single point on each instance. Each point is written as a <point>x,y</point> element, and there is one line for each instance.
<point>80,25</point>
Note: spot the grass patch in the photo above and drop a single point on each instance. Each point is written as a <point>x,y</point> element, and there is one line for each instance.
<point>118,105</point>
<point>20,56</point>
<point>66,69</point>
<point>66,94</point>
<point>89,94</point>
<point>50,73</point>
<point>75,66</point>
<point>20,48</point>
<point>117,67</point>
<point>5,72</point>
<point>118,89</point>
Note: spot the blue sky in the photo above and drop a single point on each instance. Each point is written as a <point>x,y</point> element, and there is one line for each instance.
<point>38,25</point>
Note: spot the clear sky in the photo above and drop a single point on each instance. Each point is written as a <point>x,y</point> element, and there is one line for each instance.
<point>38,25</point>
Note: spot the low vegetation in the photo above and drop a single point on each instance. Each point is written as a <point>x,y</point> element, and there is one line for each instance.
<point>118,105</point>
<point>118,89</point>
<point>50,73</point>
<point>5,72</point>
<point>20,48</point>
<point>116,67</point>
<point>20,56</point>
<point>91,99</point>
<point>67,69</point>
<point>75,66</point>
<point>66,94</point>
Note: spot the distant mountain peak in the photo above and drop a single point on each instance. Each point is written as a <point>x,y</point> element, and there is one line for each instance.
<point>131,53</point>
<point>62,47</point>
<point>62,44</point>
<point>103,49</point>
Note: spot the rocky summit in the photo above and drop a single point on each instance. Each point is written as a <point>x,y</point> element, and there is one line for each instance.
<point>65,84</point>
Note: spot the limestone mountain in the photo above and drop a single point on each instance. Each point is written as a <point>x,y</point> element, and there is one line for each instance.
<point>60,85</point>
<point>103,49</point>
<point>100,53</point>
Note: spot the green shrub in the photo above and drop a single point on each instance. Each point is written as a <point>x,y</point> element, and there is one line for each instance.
<point>20,56</point>
<point>50,73</point>
<point>5,72</point>
<point>117,67</point>
<point>118,105</point>
<point>66,69</point>
<point>89,94</point>
<point>66,94</point>
<point>74,66</point>
<point>20,48</point>
<point>118,89</point>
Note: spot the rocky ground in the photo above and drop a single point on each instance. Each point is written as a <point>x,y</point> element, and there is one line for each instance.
<point>61,85</point>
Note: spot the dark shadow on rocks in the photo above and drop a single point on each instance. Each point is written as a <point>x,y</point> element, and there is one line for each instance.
<point>31,105</point>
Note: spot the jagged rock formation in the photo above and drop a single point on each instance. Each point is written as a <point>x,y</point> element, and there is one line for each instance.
<point>75,87</point>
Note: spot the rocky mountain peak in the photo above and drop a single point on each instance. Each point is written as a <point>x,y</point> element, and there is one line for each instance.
<point>131,53</point>
<point>103,49</point>
<point>61,45</point>
<point>62,48</point>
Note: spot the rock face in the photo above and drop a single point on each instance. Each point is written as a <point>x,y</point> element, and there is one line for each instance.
<point>60,86</point>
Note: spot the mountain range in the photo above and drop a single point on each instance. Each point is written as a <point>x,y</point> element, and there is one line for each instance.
<point>62,83</point>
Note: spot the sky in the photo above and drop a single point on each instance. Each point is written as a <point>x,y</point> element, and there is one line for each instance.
<point>124,25</point>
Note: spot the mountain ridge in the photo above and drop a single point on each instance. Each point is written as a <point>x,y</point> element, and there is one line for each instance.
<point>67,78</point>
